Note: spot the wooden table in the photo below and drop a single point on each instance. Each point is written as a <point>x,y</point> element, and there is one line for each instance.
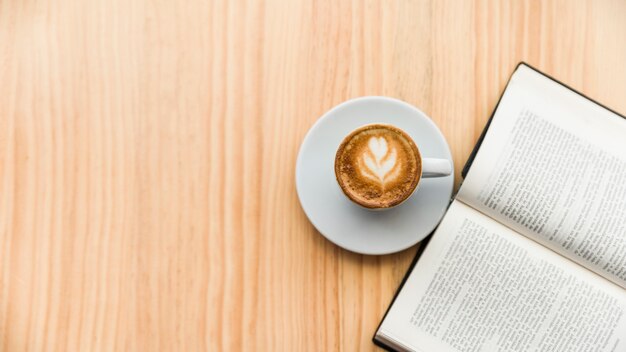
<point>147,151</point>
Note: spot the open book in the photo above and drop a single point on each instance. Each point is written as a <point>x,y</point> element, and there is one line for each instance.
<point>531,255</point>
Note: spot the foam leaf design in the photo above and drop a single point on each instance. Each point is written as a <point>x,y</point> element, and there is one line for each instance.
<point>378,147</point>
<point>378,159</point>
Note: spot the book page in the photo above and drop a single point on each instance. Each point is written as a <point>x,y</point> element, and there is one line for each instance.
<point>553,167</point>
<point>480,286</point>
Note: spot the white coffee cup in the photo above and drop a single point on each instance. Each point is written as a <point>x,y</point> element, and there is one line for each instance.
<point>375,160</point>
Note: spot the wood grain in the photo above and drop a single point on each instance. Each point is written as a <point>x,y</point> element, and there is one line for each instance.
<point>147,151</point>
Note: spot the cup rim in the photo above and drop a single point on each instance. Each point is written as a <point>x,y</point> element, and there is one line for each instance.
<point>414,184</point>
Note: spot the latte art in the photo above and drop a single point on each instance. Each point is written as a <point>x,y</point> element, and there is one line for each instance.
<point>378,166</point>
<point>381,164</point>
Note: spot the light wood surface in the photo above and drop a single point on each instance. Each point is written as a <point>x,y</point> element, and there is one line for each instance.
<point>147,152</point>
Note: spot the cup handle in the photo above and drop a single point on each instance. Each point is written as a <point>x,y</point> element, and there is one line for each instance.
<point>436,167</point>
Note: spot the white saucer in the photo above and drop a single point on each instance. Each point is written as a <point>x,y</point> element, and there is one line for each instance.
<point>348,225</point>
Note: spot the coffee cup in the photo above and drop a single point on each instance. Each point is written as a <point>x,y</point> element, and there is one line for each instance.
<point>379,166</point>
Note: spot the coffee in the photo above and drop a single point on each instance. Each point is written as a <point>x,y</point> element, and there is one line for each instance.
<point>378,166</point>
